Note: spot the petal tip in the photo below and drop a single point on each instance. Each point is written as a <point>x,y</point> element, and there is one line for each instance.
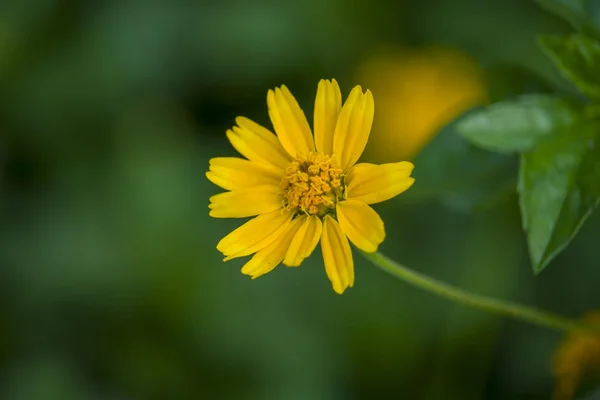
<point>292,263</point>
<point>239,120</point>
<point>408,165</point>
<point>270,98</point>
<point>339,290</point>
<point>229,257</point>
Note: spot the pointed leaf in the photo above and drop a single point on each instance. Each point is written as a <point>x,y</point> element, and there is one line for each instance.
<point>559,186</point>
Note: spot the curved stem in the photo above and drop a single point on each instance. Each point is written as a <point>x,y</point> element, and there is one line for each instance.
<point>495,306</point>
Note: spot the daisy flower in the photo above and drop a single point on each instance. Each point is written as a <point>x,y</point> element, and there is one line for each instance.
<point>304,189</point>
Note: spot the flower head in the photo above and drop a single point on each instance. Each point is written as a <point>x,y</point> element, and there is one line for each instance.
<point>303,189</point>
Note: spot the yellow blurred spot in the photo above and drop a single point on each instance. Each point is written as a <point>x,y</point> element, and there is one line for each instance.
<point>417,92</point>
<point>575,359</point>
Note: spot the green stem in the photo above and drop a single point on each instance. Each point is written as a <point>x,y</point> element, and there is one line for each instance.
<point>495,306</point>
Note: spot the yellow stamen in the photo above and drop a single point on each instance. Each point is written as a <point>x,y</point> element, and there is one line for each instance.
<point>313,186</point>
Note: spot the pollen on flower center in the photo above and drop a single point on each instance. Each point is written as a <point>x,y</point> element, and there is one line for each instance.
<point>312,186</point>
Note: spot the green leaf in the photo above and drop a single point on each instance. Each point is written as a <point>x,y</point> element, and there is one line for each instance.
<point>517,125</point>
<point>559,186</point>
<point>577,57</point>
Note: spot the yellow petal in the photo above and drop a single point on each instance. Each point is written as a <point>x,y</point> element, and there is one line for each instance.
<point>362,225</point>
<point>289,122</point>
<point>353,127</point>
<point>268,258</point>
<point>337,255</point>
<point>255,234</point>
<point>246,202</point>
<point>372,183</point>
<point>328,104</point>
<point>258,144</point>
<point>232,173</point>
<point>304,242</point>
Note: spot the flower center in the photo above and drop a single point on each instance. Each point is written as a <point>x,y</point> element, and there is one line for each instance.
<point>312,186</point>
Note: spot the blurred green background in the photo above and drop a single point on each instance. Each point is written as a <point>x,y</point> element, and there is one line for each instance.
<point>111,285</point>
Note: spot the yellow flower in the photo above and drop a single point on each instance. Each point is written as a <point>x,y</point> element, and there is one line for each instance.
<point>577,357</point>
<point>304,189</point>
